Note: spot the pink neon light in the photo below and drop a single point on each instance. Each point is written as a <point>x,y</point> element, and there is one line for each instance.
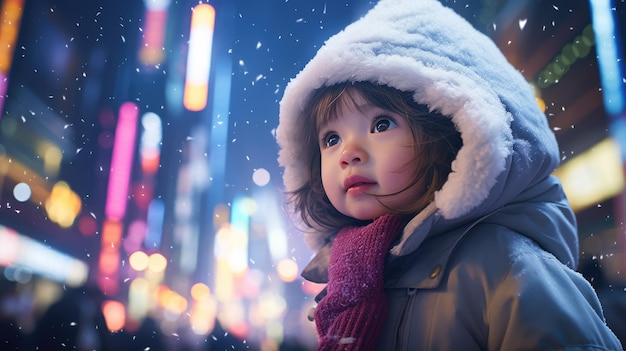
<point>4,84</point>
<point>121,162</point>
<point>9,252</point>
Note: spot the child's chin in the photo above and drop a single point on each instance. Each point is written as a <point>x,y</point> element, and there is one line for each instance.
<point>367,215</point>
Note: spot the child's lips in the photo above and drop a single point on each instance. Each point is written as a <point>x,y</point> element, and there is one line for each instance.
<point>357,184</point>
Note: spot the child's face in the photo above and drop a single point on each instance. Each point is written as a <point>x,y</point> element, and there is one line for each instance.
<point>367,158</point>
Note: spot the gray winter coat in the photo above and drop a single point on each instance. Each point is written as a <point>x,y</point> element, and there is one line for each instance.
<point>492,285</point>
<point>489,264</point>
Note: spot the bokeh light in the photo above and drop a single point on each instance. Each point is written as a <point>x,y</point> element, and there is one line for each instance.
<point>114,314</point>
<point>139,261</point>
<point>22,192</point>
<point>287,270</point>
<point>157,262</point>
<point>261,177</point>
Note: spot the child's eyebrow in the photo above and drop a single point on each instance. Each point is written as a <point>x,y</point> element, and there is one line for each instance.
<point>323,127</point>
<point>324,121</point>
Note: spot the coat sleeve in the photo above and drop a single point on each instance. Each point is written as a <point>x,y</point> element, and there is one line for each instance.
<point>543,305</point>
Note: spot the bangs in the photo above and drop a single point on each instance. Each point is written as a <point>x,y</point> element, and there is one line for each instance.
<point>329,102</point>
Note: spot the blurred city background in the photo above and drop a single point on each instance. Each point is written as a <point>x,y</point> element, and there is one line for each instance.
<point>141,205</point>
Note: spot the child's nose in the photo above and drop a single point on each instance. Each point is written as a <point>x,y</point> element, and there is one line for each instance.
<point>352,153</point>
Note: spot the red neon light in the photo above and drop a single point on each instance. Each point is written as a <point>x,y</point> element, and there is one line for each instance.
<point>152,52</point>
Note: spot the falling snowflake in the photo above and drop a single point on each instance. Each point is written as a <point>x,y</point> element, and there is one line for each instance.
<point>522,23</point>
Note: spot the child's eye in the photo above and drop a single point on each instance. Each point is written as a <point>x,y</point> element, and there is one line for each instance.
<point>382,124</point>
<point>330,139</point>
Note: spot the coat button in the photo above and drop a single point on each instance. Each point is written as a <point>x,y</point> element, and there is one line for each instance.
<point>435,272</point>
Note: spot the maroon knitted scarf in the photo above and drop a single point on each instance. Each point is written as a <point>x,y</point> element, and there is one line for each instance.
<point>352,314</point>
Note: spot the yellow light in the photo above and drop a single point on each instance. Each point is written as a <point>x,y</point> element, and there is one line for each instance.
<point>63,205</point>
<point>202,314</point>
<point>200,324</point>
<point>14,169</point>
<point>138,261</point>
<point>114,315</point>
<point>157,263</point>
<point>224,281</point>
<point>171,300</point>
<point>52,157</point>
<point>231,249</point>
<point>195,96</point>
<point>238,252</point>
<point>287,270</point>
<point>138,299</point>
<point>200,291</point>
<point>593,176</point>
<point>10,17</point>
<point>199,57</point>
<point>271,305</point>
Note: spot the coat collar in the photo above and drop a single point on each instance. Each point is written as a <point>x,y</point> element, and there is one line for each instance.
<point>406,271</point>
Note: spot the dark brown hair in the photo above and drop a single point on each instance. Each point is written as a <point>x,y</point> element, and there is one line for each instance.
<point>436,144</point>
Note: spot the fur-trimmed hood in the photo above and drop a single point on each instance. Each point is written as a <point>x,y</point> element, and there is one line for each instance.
<point>424,47</point>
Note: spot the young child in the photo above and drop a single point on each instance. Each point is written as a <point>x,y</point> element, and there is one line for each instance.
<point>420,166</point>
